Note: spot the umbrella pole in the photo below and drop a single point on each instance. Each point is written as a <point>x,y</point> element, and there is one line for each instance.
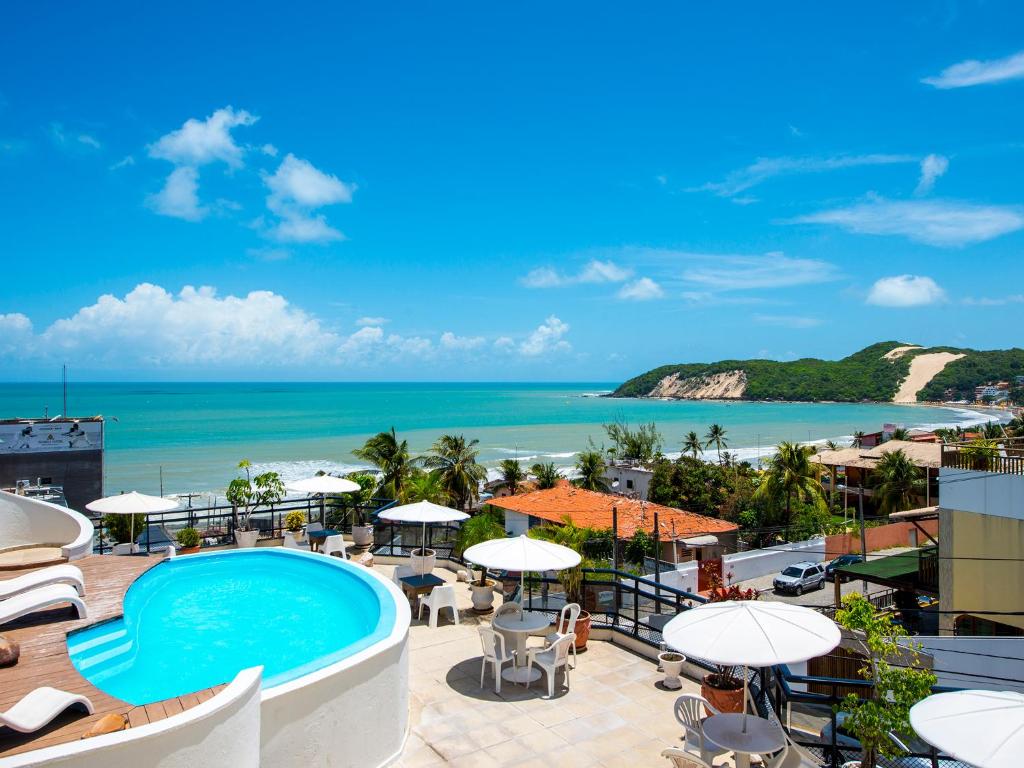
<point>522,587</point>
<point>745,676</point>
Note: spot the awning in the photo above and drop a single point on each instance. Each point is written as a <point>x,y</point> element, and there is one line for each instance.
<point>700,541</point>
<point>900,571</point>
<point>923,513</point>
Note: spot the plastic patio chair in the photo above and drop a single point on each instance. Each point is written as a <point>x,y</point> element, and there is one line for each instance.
<point>493,644</point>
<point>794,756</point>
<point>290,542</point>
<point>55,574</point>
<point>37,708</point>
<point>335,544</point>
<point>505,609</point>
<point>682,759</point>
<point>401,572</point>
<point>439,597</point>
<point>550,659</point>
<point>567,618</point>
<point>689,710</point>
<point>125,548</point>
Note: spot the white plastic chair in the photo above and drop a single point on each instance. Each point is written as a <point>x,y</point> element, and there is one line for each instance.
<point>794,756</point>
<point>125,548</point>
<point>335,544</point>
<point>439,597</point>
<point>550,659</point>
<point>682,759</point>
<point>510,608</point>
<point>39,707</point>
<point>290,542</point>
<point>55,574</point>
<point>313,527</point>
<point>402,572</point>
<point>43,597</point>
<point>567,618</point>
<point>689,710</point>
<point>494,654</point>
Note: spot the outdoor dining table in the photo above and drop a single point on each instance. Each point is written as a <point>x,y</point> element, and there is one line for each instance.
<point>420,584</point>
<point>316,538</point>
<point>520,627</point>
<point>760,736</point>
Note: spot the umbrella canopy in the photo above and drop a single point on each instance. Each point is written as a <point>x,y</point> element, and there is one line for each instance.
<point>132,503</point>
<point>983,728</point>
<point>522,554</point>
<point>325,484</point>
<point>752,633</point>
<point>423,512</point>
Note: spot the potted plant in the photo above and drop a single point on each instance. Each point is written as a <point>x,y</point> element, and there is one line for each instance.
<point>478,529</point>
<point>724,687</point>
<point>294,521</point>
<point>247,494</point>
<point>362,528</point>
<point>188,540</point>
<point>571,579</point>
<point>898,681</point>
<point>672,665</point>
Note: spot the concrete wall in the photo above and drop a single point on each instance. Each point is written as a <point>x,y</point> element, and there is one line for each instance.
<point>516,523</point>
<point>882,537</point>
<point>640,478</point>
<point>79,473</point>
<point>990,663</point>
<point>987,493</point>
<point>223,731</point>
<point>26,522</point>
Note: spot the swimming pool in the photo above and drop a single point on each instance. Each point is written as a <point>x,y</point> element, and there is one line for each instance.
<point>193,622</point>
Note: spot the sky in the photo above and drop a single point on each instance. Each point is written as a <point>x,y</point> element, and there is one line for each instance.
<point>471,191</point>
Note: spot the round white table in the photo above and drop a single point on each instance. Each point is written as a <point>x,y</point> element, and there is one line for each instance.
<point>761,736</point>
<point>520,627</point>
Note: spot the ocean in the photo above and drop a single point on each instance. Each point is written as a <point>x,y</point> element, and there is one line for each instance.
<point>194,434</point>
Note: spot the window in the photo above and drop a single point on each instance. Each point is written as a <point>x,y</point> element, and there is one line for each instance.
<point>629,484</point>
<point>968,625</point>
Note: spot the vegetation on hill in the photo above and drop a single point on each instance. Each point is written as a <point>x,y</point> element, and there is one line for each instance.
<point>864,375</point>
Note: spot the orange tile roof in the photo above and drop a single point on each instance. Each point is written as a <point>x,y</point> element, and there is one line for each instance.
<point>594,510</point>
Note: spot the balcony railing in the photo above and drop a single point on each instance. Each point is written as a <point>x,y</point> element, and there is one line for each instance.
<point>1003,455</point>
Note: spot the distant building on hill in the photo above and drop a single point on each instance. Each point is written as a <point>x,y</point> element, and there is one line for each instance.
<point>628,479</point>
<point>994,393</point>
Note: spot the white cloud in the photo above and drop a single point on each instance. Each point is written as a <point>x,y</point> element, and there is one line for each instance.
<point>364,321</point>
<point>765,168</point>
<point>905,291</point>
<point>89,141</point>
<point>773,270</point>
<point>15,334</point>
<point>362,341</point>
<point>594,271</point>
<point>124,162</point>
<point>546,338</point>
<point>450,341</point>
<point>988,301</point>
<point>787,321</point>
<point>932,167</point>
<point>180,196</point>
<point>972,72</point>
<point>297,187</point>
<point>199,142</point>
<point>504,343</point>
<point>643,289</point>
<point>935,222</point>
<point>269,150</point>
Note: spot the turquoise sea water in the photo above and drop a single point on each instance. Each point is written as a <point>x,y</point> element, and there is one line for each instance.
<point>194,622</point>
<point>197,433</point>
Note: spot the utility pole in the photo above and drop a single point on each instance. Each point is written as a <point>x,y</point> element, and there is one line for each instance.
<point>863,535</point>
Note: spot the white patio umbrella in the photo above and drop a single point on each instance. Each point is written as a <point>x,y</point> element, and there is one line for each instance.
<point>751,633</point>
<point>322,486</point>
<point>132,503</point>
<point>423,512</point>
<point>522,554</point>
<point>983,728</point>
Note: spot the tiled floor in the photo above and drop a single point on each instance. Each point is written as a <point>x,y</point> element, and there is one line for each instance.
<point>615,714</point>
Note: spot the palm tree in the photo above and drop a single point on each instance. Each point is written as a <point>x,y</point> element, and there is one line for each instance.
<point>478,529</point>
<point>832,445</point>
<point>425,486</point>
<point>900,433</point>
<point>547,475</point>
<point>590,465</point>
<point>511,474</point>
<point>716,437</point>
<point>455,461</point>
<point>392,458</point>
<point>897,482</point>
<point>574,537</point>
<point>858,439</point>
<point>692,445</point>
<point>790,473</point>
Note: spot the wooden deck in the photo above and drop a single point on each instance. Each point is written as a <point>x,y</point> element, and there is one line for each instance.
<point>44,658</point>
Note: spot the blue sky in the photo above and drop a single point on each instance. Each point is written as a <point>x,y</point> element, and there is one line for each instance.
<point>523,192</point>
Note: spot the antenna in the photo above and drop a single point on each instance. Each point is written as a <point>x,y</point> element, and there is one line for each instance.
<point>64,381</point>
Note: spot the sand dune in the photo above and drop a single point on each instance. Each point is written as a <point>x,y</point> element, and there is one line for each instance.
<point>895,352</point>
<point>923,369</point>
<point>717,386</point>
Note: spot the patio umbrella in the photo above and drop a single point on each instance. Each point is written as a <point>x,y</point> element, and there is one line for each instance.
<point>423,512</point>
<point>132,503</point>
<point>751,633</point>
<point>322,485</point>
<point>522,554</point>
<point>983,728</point>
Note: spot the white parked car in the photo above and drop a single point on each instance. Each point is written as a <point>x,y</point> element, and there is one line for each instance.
<point>800,577</point>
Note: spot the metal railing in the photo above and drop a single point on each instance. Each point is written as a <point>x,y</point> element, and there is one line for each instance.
<point>1003,455</point>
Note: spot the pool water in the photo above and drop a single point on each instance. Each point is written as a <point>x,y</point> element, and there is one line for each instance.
<point>194,622</point>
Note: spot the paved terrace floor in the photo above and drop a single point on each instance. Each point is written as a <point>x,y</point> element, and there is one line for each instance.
<point>615,714</point>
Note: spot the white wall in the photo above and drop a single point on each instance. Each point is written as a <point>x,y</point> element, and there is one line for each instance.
<point>223,731</point>
<point>641,480</point>
<point>749,565</point>
<point>516,523</point>
<point>26,522</point>
<point>987,493</point>
<point>973,662</point>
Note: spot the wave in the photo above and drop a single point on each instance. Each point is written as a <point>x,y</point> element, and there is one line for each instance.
<point>290,471</point>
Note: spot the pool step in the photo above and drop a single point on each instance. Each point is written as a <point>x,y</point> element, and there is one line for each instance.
<point>76,648</point>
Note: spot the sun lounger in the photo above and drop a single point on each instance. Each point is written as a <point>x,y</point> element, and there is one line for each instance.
<point>37,599</point>
<point>55,574</point>
<point>39,707</point>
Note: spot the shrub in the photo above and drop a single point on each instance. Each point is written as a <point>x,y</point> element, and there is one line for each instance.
<point>119,527</point>
<point>188,537</point>
<point>294,521</point>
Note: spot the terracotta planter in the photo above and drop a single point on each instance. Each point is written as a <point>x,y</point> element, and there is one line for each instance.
<point>423,561</point>
<point>722,699</point>
<point>672,663</point>
<point>582,631</point>
<point>188,550</point>
<point>362,535</point>
<point>246,539</point>
<point>483,596</point>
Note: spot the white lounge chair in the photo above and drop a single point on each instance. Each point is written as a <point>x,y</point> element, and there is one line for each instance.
<point>494,654</point>
<point>550,659</point>
<point>439,597</point>
<point>682,759</point>
<point>333,544</point>
<point>37,599</point>
<point>290,541</point>
<point>55,574</point>
<point>689,710</point>
<point>39,707</point>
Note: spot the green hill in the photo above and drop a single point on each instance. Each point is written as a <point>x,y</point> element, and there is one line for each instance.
<point>864,375</point>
